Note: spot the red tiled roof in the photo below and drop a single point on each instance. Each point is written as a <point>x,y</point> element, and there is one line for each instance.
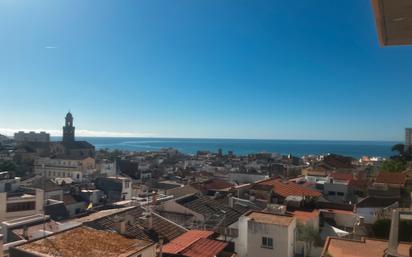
<point>360,183</point>
<point>182,242</point>
<point>338,211</point>
<point>286,189</point>
<point>342,176</point>
<point>391,178</point>
<point>204,248</point>
<point>217,185</point>
<point>304,216</point>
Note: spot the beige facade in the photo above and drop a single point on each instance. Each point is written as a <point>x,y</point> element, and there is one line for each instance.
<point>266,235</point>
<point>64,168</point>
<point>21,204</point>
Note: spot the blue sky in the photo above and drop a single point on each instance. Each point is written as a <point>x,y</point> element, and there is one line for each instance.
<point>204,68</point>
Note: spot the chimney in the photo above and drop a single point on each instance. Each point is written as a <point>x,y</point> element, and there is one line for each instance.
<point>25,232</point>
<point>123,227</point>
<point>150,220</point>
<point>161,247</point>
<point>231,202</point>
<point>394,232</point>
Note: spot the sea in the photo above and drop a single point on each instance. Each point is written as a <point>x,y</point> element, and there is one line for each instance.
<point>354,149</point>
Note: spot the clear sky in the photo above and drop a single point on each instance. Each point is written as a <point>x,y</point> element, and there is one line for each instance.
<point>202,68</point>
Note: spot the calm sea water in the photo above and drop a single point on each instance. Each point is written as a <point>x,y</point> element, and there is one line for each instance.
<point>245,146</point>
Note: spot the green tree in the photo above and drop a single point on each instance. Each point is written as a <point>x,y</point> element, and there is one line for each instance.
<point>115,154</point>
<point>400,148</point>
<point>8,166</point>
<point>393,166</point>
<point>309,235</point>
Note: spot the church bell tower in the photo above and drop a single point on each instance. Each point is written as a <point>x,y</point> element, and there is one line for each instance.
<point>68,129</point>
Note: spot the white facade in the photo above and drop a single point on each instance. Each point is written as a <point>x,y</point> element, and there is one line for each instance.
<point>62,168</point>
<point>8,184</point>
<point>127,189</point>
<point>263,238</point>
<point>108,168</point>
<point>336,190</point>
<point>32,136</point>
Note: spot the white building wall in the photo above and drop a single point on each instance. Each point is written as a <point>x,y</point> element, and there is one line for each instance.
<point>242,240</point>
<point>340,191</point>
<point>249,242</point>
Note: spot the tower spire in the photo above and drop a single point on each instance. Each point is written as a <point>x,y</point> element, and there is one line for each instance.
<point>68,129</point>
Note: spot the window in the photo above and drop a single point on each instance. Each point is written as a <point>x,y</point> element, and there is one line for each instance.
<point>340,194</point>
<point>24,206</point>
<point>331,193</point>
<point>126,184</point>
<point>267,242</point>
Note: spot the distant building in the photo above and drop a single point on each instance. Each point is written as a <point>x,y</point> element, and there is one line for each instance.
<point>8,183</point>
<point>68,129</point>
<point>5,140</point>
<point>408,139</point>
<point>116,188</point>
<point>22,137</point>
<point>75,169</point>
<point>246,177</point>
<point>107,168</point>
<point>69,148</point>
<point>266,234</point>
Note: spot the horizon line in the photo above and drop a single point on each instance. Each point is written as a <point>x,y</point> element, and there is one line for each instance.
<point>230,138</point>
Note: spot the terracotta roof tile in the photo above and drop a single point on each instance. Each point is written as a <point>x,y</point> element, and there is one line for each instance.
<point>182,242</point>
<point>204,248</point>
<point>286,189</point>
<point>270,218</point>
<point>351,248</point>
<point>304,216</point>
<point>342,176</point>
<point>391,178</point>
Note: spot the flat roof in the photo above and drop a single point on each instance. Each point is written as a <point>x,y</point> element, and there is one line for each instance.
<point>338,247</point>
<point>85,241</point>
<point>269,218</point>
<point>101,214</point>
<point>393,21</point>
